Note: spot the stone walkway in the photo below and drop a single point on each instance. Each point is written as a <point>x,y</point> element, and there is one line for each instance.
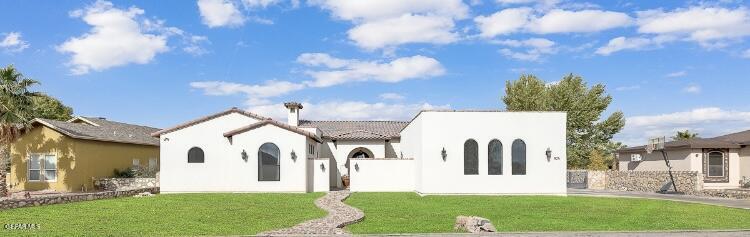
<point>726,202</point>
<point>339,215</point>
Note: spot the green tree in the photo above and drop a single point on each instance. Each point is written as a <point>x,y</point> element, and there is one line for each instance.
<point>586,130</point>
<point>684,135</point>
<point>597,161</point>
<point>45,106</point>
<point>15,111</point>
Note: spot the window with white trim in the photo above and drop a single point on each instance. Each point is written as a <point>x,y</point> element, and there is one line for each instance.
<point>152,164</point>
<point>42,167</point>
<point>311,149</point>
<point>715,164</point>
<point>136,162</point>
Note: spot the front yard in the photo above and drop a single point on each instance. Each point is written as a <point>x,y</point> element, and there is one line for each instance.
<point>172,214</point>
<point>410,213</point>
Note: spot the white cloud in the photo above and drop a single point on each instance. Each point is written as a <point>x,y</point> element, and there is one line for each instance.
<point>503,22</point>
<point>746,54</point>
<point>336,71</point>
<point>405,29</point>
<point>389,23</point>
<point>677,74</point>
<point>514,20</point>
<point>347,110</point>
<point>708,122</point>
<point>709,26</point>
<point>259,3</point>
<point>256,94</point>
<point>692,89</point>
<point>116,39</point>
<point>12,43</point>
<point>632,43</point>
<point>193,45</point>
<point>218,13</point>
<point>534,48</point>
<point>391,96</point>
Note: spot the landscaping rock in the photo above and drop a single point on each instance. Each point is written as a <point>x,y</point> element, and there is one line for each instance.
<point>144,194</point>
<point>474,224</point>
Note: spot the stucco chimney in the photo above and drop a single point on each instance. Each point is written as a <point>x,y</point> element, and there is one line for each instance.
<point>294,107</point>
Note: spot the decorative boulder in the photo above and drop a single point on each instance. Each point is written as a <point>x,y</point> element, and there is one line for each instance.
<point>474,224</point>
<point>144,194</point>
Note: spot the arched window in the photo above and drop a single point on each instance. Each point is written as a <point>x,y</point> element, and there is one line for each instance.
<point>360,154</point>
<point>268,162</point>
<point>471,157</point>
<point>195,155</point>
<point>518,157</point>
<point>715,164</point>
<point>495,158</point>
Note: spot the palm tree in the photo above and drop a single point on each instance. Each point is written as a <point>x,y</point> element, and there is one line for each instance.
<point>16,112</point>
<point>684,135</point>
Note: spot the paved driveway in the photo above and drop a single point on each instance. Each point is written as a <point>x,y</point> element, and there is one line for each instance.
<point>727,202</point>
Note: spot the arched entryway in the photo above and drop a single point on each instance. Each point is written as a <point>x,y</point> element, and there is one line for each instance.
<point>359,152</point>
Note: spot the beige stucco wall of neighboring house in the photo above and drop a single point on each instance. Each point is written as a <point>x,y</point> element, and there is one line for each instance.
<point>745,162</point>
<point>77,160</point>
<point>681,160</point>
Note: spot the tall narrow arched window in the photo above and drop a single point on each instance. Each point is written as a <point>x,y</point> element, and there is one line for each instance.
<point>715,164</point>
<point>471,157</point>
<point>495,158</point>
<point>518,157</point>
<point>269,162</point>
<point>195,155</point>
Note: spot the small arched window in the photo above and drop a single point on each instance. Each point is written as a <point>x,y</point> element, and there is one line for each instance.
<point>195,155</point>
<point>495,158</point>
<point>471,157</point>
<point>715,164</point>
<point>518,157</point>
<point>268,162</point>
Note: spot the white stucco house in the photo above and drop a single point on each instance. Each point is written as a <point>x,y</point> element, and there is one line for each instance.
<point>437,152</point>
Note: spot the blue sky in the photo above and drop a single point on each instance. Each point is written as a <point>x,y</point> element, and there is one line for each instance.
<point>668,64</point>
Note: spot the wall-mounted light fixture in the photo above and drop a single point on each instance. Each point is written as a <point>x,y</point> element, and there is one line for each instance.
<point>356,167</point>
<point>322,167</point>
<point>244,155</point>
<point>294,156</point>
<point>444,154</point>
<point>549,154</point>
<point>166,139</point>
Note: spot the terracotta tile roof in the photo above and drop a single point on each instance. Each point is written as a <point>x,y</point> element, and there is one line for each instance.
<point>357,130</point>
<point>206,118</point>
<point>99,129</point>
<point>274,123</point>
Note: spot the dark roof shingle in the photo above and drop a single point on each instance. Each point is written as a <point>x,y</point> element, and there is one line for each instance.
<point>103,130</point>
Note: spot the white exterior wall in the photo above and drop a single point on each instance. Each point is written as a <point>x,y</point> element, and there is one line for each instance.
<point>318,172</point>
<point>224,170</point>
<point>449,130</point>
<point>411,147</point>
<point>382,175</point>
<point>339,152</point>
<point>745,162</point>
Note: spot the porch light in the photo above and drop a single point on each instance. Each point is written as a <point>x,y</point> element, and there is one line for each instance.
<point>244,155</point>
<point>322,167</point>
<point>294,156</point>
<point>444,154</point>
<point>356,167</point>
<point>549,154</point>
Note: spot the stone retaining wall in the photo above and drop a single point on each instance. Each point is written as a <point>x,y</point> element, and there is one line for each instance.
<point>596,179</point>
<point>72,197</point>
<point>690,182</point>
<point>3,184</point>
<point>112,184</point>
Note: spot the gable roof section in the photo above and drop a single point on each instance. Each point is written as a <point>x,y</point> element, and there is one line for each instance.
<point>695,143</point>
<point>274,123</point>
<point>104,130</point>
<point>742,138</point>
<point>206,118</point>
<point>357,130</point>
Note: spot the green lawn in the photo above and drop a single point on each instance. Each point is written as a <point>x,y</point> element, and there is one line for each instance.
<point>171,214</point>
<point>410,213</point>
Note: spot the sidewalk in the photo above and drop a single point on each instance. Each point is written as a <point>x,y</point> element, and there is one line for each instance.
<point>726,202</point>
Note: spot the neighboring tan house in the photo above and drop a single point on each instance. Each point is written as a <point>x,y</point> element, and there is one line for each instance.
<point>66,156</point>
<point>724,161</point>
<point>437,152</point>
